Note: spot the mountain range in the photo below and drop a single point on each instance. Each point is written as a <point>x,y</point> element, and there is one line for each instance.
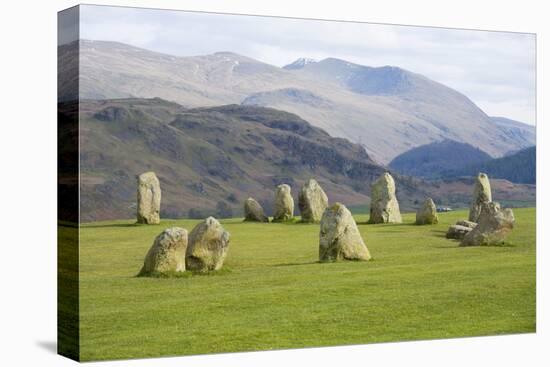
<point>449,159</point>
<point>387,110</point>
<point>213,158</point>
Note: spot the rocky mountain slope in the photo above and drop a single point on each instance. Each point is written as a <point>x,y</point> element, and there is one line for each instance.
<point>210,159</point>
<point>387,110</point>
<point>524,134</point>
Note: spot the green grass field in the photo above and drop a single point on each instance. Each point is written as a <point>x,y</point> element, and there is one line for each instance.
<point>273,294</point>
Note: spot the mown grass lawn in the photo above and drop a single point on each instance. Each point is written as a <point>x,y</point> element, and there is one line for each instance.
<point>273,294</point>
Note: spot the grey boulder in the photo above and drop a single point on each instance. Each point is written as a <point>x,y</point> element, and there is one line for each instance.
<point>339,237</point>
<point>253,211</point>
<point>167,254</point>
<point>208,246</point>
<point>493,226</point>
<point>466,223</point>
<point>481,195</point>
<point>427,214</point>
<point>148,198</point>
<point>457,232</point>
<point>284,204</point>
<point>312,202</point>
<point>384,207</point>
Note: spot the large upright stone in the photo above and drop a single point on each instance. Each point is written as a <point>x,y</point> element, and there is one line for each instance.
<point>208,245</point>
<point>284,204</point>
<point>312,201</point>
<point>148,198</point>
<point>253,211</point>
<point>494,224</point>
<point>384,207</point>
<point>427,214</point>
<point>481,195</point>
<point>167,254</point>
<point>339,238</point>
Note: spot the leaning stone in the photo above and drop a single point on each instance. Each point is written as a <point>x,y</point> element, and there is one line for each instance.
<point>493,226</point>
<point>481,195</point>
<point>148,198</point>
<point>384,207</point>
<point>253,211</point>
<point>312,202</point>
<point>284,204</point>
<point>427,214</point>
<point>167,254</point>
<point>466,223</point>
<point>457,232</point>
<point>339,238</point>
<point>208,245</point>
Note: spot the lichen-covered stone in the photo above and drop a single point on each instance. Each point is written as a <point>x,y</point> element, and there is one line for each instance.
<point>148,198</point>
<point>494,224</point>
<point>253,211</point>
<point>466,223</point>
<point>457,232</point>
<point>339,237</point>
<point>384,207</point>
<point>284,204</point>
<point>312,202</point>
<point>482,194</point>
<point>427,214</point>
<point>167,254</point>
<point>208,245</point>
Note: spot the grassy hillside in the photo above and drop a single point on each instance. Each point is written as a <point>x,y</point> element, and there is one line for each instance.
<point>273,294</point>
<point>520,167</point>
<point>209,157</point>
<point>436,159</point>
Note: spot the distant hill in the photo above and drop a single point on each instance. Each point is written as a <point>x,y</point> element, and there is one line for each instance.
<point>437,159</point>
<point>519,167</point>
<point>211,158</point>
<point>388,110</point>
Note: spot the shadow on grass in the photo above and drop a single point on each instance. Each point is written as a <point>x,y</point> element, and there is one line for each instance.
<point>440,233</point>
<point>298,264</point>
<point>455,244</point>
<point>116,225</point>
<point>185,274</point>
<point>391,225</point>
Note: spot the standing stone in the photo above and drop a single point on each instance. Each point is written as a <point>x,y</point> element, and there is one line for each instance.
<point>148,198</point>
<point>284,204</point>
<point>482,195</point>
<point>253,211</point>
<point>339,238</point>
<point>427,214</point>
<point>494,224</point>
<point>312,202</point>
<point>167,254</point>
<point>208,245</point>
<point>457,231</point>
<point>384,207</point>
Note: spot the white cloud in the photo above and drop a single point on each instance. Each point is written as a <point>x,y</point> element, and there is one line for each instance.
<point>495,69</point>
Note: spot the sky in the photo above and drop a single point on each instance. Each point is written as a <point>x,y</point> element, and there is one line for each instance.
<point>497,70</point>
